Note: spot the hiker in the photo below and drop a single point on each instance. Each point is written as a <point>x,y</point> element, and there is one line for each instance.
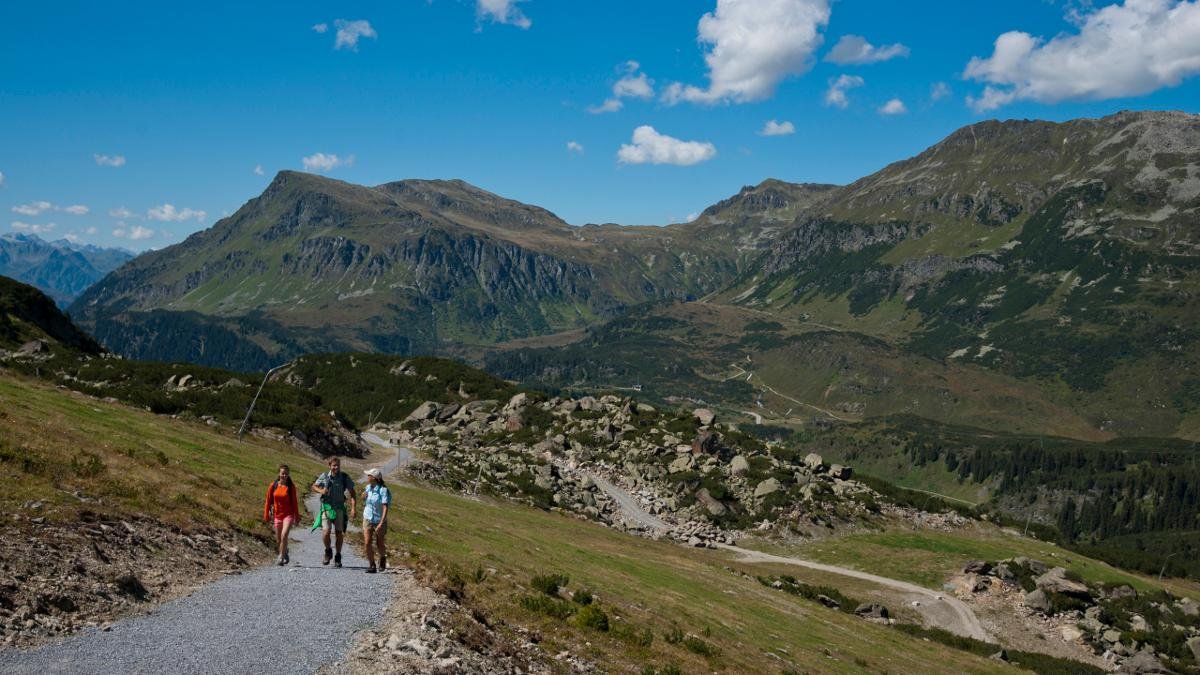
<point>376,501</point>
<point>282,502</point>
<point>333,486</point>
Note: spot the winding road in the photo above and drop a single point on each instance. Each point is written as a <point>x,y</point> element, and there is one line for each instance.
<point>294,619</point>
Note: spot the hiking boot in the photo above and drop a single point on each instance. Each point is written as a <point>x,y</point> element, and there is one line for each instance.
<point>328,556</point>
<point>286,559</point>
<point>371,569</point>
<point>337,560</point>
<point>382,563</point>
<point>280,561</point>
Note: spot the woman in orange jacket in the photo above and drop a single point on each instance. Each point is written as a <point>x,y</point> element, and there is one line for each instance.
<point>282,500</point>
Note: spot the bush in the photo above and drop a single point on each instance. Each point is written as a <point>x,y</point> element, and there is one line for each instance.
<point>540,604</point>
<point>549,583</point>
<point>582,597</point>
<point>697,646</point>
<point>674,636</point>
<point>591,616</point>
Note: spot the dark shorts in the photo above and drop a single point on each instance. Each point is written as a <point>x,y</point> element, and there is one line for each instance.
<point>338,524</point>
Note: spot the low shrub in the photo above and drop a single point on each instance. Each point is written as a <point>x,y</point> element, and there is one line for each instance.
<point>541,604</point>
<point>582,597</point>
<point>592,617</point>
<point>549,583</point>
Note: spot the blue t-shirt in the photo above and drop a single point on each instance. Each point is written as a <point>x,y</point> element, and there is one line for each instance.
<point>376,496</point>
<point>337,488</point>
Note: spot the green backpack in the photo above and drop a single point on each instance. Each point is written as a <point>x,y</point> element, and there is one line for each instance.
<point>327,512</point>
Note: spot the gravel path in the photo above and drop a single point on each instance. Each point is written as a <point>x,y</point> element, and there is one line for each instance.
<point>293,619</point>
<point>629,506</point>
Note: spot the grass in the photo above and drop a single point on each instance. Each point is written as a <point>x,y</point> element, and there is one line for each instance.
<point>53,443</point>
<point>930,558</point>
<point>644,586</point>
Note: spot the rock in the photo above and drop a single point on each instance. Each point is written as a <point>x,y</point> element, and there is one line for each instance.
<point>710,503</point>
<point>695,541</point>
<point>1188,606</point>
<point>448,411</point>
<point>706,442</point>
<point>981,584</point>
<point>814,462</point>
<point>517,402</point>
<point>513,423</point>
<point>1056,581</point>
<point>1194,645</point>
<point>1071,634</point>
<point>34,347</point>
<point>1037,599</point>
<point>1035,566</point>
<point>1138,622</point>
<point>183,381</point>
<point>1142,662</point>
<point>1004,573</point>
<point>1001,655</point>
<point>704,416</point>
<point>393,642</point>
<point>1123,592</point>
<point>645,409</point>
<point>590,404</point>
<point>840,472</point>
<point>1111,636</point>
<point>872,610</point>
<point>425,411</point>
<point>977,567</point>
<point>739,466</point>
<point>419,648</point>
<point>828,601</point>
<point>681,463</point>
<point>767,487</point>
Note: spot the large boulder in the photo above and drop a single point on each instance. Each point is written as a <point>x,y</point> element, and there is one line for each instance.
<point>710,503</point>
<point>517,402</point>
<point>682,463</point>
<point>739,466</point>
<point>814,462</point>
<point>1188,606</point>
<point>704,416</point>
<point>1142,662</point>
<point>1056,581</point>
<point>767,487</point>
<point>706,442</point>
<point>591,404</point>
<point>872,610</point>
<point>840,472</point>
<point>1122,592</point>
<point>1194,645</point>
<point>1037,600</point>
<point>977,567</point>
<point>425,411</point>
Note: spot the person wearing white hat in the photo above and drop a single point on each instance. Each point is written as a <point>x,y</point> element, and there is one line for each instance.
<point>376,501</point>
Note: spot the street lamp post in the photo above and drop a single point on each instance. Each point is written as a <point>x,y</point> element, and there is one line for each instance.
<point>254,400</point>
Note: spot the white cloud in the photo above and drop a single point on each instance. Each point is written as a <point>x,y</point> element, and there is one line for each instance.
<point>836,94</point>
<point>90,230</point>
<point>32,228</point>
<point>502,11</point>
<point>631,85</point>
<point>258,170</point>
<point>1,178</point>
<point>319,161</point>
<point>32,208</point>
<point>73,238</point>
<point>168,213</point>
<point>109,160</point>
<point>320,27</point>
<point>575,147</point>
<point>76,209</point>
<point>349,32</point>
<point>773,128</point>
<point>893,107</point>
<point>855,50</point>
<point>939,91</point>
<point>120,213</point>
<point>135,233</point>
<point>651,147</point>
<point>1124,49</point>
<point>755,44</point>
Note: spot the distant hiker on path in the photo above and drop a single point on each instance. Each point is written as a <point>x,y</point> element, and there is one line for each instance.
<point>283,503</point>
<point>376,501</point>
<point>333,486</point>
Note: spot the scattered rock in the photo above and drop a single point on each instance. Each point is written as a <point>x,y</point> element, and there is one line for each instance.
<point>1123,591</point>
<point>1142,662</point>
<point>977,567</point>
<point>704,416</point>
<point>706,443</point>
<point>814,462</point>
<point>828,601</point>
<point>767,487</point>
<point>1001,655</point>
<point>872,610</point>
<point>1056,581</point>
<point>425,411</point>
<point>1036,599</point>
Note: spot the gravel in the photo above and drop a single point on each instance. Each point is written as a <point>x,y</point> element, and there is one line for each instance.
<point>293,619</point>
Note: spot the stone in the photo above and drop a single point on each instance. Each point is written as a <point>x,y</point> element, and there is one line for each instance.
<point>739,466</point>
<point>1138,622</point>
<point>1123,591</point>
<point>840,472</point>
<point>710,503</point>
<point>704,416</point>
<point>1111,636</point>
<point>1071,634</point>
<point>448,411</point>
<point>513,423</point>
<point>872,610</point>
<point>517,402</point>
<point>1188,606</point>
<point>977,567</point>
<point>681,463</point>
<point>767,487</point>
<point>814,462</point>
<point>590,404</point>
<point>1056,581</point>
<point>706,442</point>
<point>34,347</point>
<point>981,584</point>
<point>419,648</point>
<point>1193,644</point>
<point>183,381</point>
<point>425,411</point>
<point>1035,566</point>
<point>1004,573</point>
<point>1001,655</point>
<point>1142,662</point>
<point>1036,599</point>
<point>393,642</point>
<point>828,601</point>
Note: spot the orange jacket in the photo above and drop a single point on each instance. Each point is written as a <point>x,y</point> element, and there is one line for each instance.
<point>284,500</point>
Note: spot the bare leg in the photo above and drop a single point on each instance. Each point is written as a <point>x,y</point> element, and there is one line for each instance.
<point>367,544</point>
<point>284,532</point>
<point>379,550</point>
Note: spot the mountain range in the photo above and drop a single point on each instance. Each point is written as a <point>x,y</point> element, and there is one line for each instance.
<point>62,269</point>
<point>1036,273</point>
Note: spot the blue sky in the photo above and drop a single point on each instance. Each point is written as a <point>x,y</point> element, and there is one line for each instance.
<point>154,119</point>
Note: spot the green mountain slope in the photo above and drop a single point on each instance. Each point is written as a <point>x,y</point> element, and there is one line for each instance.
<point>315,264</point>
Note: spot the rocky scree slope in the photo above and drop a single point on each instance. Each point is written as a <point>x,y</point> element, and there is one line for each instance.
<point>680,475</point>
<point>315,264</point>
